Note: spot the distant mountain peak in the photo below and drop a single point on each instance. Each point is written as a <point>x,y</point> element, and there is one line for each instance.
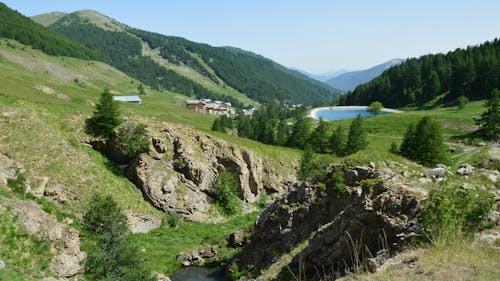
<point>96,18</point>
<point>349,80</point>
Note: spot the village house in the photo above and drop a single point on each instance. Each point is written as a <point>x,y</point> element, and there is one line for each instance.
<point>130,99</point>
<point>210,107</point>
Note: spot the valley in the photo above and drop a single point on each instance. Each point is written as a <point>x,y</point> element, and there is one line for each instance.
<point>195,196</point>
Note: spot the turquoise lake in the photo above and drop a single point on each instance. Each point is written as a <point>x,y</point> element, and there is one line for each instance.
<point>339,114</point>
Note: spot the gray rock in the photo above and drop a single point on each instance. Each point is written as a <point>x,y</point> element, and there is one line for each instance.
<point>2,264</point>
<point>143,223</point>
<point>162,277</point>
<point>465,169</point>
<point>237,239</point>
<point>197,256</point>
<point>435,173</point>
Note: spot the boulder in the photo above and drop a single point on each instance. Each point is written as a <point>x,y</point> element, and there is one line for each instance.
<point>465,169</point>
<point>2,264</point>
<point>237,239</point>
<point>197,256</point>
<point>435,173</point>
<point>162,277</point>
<point>143,223</point>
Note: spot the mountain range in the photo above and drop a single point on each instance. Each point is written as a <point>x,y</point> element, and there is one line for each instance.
<point>174,64</point>
<point>350,80</point>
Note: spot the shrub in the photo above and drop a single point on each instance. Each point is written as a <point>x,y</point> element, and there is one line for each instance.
<point>226,194</point>
<point>394,148</point>
<point>451,212</point>
<point>112,256</point>
<point>173,220</point>
<point>336,181</point>
<point>18,184</point>
<point>375,107</point>
<point>132,139</point>
<point>369,185</point>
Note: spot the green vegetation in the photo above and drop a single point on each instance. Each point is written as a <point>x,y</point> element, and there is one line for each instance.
<point>375,107</point>
<point>105,118</point>
<point>424,143</point>
<point>451,212</point>
<point>132,139</point>
<point>490,119</point>
<point>226,194</point>
<point>15,26</point>
<point>434,79</point>
<point>307,163</point>
<point>111,256</point>
<point>356,138</point>
<point>461,102</point>
<point>222,123</point>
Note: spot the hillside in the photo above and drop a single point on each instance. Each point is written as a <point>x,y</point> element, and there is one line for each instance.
<point>183,66</point>
<point>350,80</point>
<point>13,25</point>
<point>431,80</point>
<point>48,18</point>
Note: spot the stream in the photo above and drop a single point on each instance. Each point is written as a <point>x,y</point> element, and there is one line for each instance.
<point>199,273</point>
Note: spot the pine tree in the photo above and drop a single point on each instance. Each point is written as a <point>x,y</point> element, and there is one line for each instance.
<point>141,90</point>
<point>306,163</point>
<point>356,139</point>
<point>337,142</point>
<point>490,119</point>
<point>424,143</point>
<point>319,138</point>
<point>105,118</point>
<point>300,133</point>
<point>283,132</point>
<point>112,255</point>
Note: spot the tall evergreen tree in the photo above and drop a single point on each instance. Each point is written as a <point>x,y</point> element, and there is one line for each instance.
<point>337,142</point>
<point>356,139</point>
<point>490,119</point>
<point>424,143</point>
<point>112,255</point>
<point>283,132</point>
<point>105,118</point>
<point>300,133</point>
<point>319,138</point>
<point>306,167</point>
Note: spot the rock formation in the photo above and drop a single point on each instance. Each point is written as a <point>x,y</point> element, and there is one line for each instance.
<point>324,231</point>
<point>178,172</point>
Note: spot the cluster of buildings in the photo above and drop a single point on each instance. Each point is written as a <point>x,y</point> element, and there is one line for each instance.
<point>210,107</point>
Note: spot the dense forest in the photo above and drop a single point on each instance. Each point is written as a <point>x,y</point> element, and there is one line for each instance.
<point>15,26</point>
<point>434,79</point>
<point>123,51</point>
<point>257,77</point>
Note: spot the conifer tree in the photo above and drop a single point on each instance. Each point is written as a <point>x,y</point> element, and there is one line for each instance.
<point>306,162</point>
<point>356,139</point>
<point>319,138</point>
<point>105,118</point>
<point>300,133</point>
<point>490,119</point>
<point>283,132</point>
<point>337,142</point>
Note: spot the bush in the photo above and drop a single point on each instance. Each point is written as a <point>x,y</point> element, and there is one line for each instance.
<point>112,256</point>
<point>451,212</point>
<point>132,139</point>
<point>226,198</point>
<point>375,107</point>
<point>173,220</point>
<point>336,181</point>
<point>394,148</point>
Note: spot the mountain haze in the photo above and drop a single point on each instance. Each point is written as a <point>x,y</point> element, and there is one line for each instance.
<point>194,69</point>
<point>348,81</point>
<point>323,77</point>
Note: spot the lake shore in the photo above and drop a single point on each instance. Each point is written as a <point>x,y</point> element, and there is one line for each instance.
<point>313,112</point>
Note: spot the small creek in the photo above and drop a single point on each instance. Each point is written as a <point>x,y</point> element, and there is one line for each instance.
<point>199,273</point>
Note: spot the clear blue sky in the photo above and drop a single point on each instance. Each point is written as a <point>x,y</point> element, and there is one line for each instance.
<point>314,35</point>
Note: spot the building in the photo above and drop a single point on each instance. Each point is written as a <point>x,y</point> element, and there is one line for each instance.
<point>130,99</point>
<point>209,106</point>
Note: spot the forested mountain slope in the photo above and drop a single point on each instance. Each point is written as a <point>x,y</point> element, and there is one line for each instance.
<point>15,26</point>
<point>183,66</point>
<point>441,78</point>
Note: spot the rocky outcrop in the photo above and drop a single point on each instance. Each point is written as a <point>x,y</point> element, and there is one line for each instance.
<point>68,260</point>
<point>317,227</point>
<point>237,239</point>
<point>197,256</point>
<point>179,171</point>
<point>143,223</point>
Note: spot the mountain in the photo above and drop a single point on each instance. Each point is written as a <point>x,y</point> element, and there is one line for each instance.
<point>431,80</point>
<point>48,18</point>
<point>179,65</point>
<point>15,26</point>
<point>323,77</point>
<point>350,80</point>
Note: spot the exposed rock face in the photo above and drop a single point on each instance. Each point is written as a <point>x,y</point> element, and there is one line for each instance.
<point>465,169</point>
<point>321,226</point>
<point>143,223</point>
<point>197,256</point>
<point>237,239</point>
<point>68,260</point>
<point>178,172</point>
